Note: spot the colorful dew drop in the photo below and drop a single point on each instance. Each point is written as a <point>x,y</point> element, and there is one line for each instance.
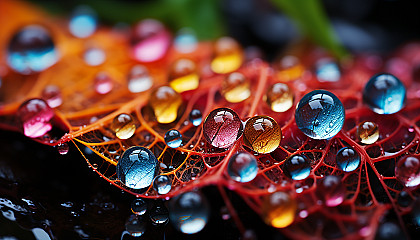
<point>31,50</point>
<point>384,94</point>
<point>123,126</point>
<point>279,97</point>
<point>162,184</point>
<point>136,168</point>
<point>35,116</point>
<point>330,191</point>
<point>320,114</point>
<point>189,212</point>
<point>139,79</point>
<point>183,75</point>
<point>159,215</point>
<point>165,103</point>
<point>196,117</point>
<point>52,95</point>
<point>297,167</point>
<point>94,56</point>
<point>222,127</point>
<point>173,138</point>
<point>138,206</point>
<point>135,225</point>
<point>279,209</point>
<point>262,134</point>
<point>290,69</point>
<point>83,22</point>
<point>327,71</point>
<point>63,148</point>
<point>368,132</point>
<point>347,159</point>
<point>242,167</point>
<point>103,83</point>
<point>228,56</point>
<point>407,171</point>
<point>150,41</point>
<point>185,41</point>
<point>236,88</point>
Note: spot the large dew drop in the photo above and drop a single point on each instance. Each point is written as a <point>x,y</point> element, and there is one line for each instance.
<point>137,167</point>
<point>262,134</point>
<point>384,94</point>
<point>189,212</point>
<point>348,159</point>
<point>242,167</point>
<point>320,114</point>
<point>35,116</point>
<point>31,50</point>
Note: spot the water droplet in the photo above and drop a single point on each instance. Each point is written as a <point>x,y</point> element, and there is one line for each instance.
<point>297,167</point>
<point>404,199</point>
<point>196,117</point>
<point>139,79</point>
<point>235,88</point>
<point>159,215</point>
<point>227,55</point>
<point>137,167</point>
<point>35,115</point>
<point>135,225</point>
<point>368,132</point>
<point>138,206</point>
<point>94,56</point>
<point>279,97</point>
<point>262,134</point>
<point>183,75</point>
<point>162,184</point>
<point>63,148</point>
<point>31,50</point>
<point>407,171</point>
<point>222,127</point>
<point>103,83</point>
<point>165,103</point>
<point>279,209</point>
<point>189,212</point>
<point>83,22</point>
<point>150,41</point>
<point>185,41</point>
<point>123,126</point>
<point>384,94</point>
<point>347,159</point>
<point>330,191</point>
<point>242,167</point>
<point>173,138</point>
<point>316,110</point>
<point>289,69</point>
<point>327,71</point>
<point>52,95</point>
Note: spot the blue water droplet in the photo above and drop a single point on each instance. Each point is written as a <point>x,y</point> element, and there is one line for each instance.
<point>162,184</point>
<point>159,215</point>
<point>83,22</point>
<point>320,114</point>
<point>189,212</point>
<point>242,167</point>
<point>138,206</point>
<point>384,94</point>
<point>297,167</point>
<point>196,117</point>
<point>185,41</point>
<point>348,159</point>
<point>137,167</point>
<point>31,50</point>
<point>327,71</point>
<point>135,225</point>
<point>173,138</point>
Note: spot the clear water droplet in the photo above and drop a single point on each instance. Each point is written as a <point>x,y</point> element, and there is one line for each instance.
<point>196,117</point>
<point>347,159</point>
<point>139,206</point>
<point>135,225</point>
<point>162,184</point>
<point>297,167</point>
<point>327,71</point>
<point>242,167</point>
<point>159,215</point>
<point>173,138</point>
<point>139,79</point>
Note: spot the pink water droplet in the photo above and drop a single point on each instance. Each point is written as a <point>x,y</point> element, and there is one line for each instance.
<point>407,171</point>
<point>103,83</point>
<point>52,95</point>
<point>330,191</point>
<point>35,116</point>
<point>63,148</point>
<point>150,41</point>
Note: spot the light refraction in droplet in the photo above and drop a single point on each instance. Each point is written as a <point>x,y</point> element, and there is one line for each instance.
<point>162,184</point>
<point>242,167</point>
<point>348,159</point>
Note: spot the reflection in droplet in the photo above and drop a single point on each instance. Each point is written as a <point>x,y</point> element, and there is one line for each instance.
<point>35,116</point>
<point>139,79</point>
<point>138,206</point>
<point>135,225</point>
<point>242,167</point>
<point>162,184</point>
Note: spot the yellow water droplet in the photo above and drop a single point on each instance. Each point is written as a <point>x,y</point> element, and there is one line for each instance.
<point>235,87</point>
<point>279,209</point>
<point>368,132</point>
<point>228,56</point>
<point>289,69</point>
<point>123,126</point>
<point>165,102</point>
<point>262,134</point>
<point>183,76</point>
<point>279,97</point>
